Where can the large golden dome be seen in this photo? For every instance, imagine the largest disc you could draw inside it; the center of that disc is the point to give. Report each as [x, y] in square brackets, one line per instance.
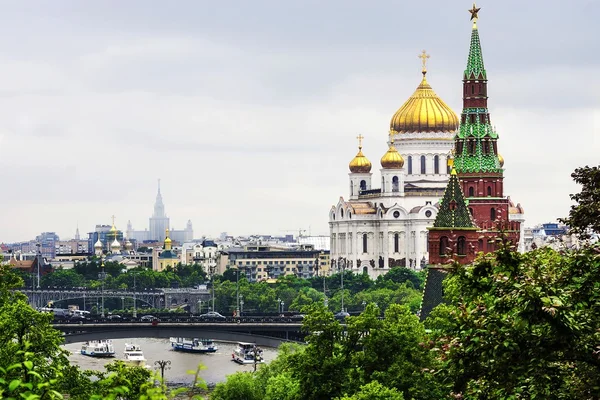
[360, 163]
[392, 159]
[424, 111]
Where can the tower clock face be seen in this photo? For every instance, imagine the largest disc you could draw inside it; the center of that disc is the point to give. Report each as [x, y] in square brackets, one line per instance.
[396, 214]
[428, 213]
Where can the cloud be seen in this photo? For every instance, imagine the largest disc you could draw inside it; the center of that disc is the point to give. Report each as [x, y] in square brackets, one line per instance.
[248, 112]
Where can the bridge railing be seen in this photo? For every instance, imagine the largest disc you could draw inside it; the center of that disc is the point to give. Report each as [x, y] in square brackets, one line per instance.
[181, 319]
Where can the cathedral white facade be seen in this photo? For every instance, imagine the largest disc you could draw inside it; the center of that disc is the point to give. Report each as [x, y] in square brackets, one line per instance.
[383, 226]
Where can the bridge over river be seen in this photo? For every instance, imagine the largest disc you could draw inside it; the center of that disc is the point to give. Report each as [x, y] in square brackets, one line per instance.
[156, 298]
[256, 330]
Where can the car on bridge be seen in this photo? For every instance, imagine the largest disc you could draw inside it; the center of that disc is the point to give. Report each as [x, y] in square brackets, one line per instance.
[148, 318]
[211, 316]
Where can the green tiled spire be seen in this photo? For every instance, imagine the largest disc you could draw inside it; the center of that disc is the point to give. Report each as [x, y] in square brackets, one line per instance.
[453, 207]
[476, 140]
[475, 68]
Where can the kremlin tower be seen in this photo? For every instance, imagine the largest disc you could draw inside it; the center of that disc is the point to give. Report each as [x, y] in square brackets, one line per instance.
[473, 212]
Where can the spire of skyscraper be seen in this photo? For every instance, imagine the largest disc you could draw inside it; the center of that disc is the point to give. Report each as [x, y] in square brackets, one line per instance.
[159, 207]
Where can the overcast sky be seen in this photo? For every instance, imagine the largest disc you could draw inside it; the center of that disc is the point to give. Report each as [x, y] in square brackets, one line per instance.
[248, 110]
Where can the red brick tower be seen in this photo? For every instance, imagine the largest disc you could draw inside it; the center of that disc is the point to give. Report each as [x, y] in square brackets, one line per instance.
[478, 166]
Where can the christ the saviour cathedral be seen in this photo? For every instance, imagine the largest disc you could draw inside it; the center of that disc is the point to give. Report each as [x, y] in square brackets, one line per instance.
[378, 228]
[384, 225]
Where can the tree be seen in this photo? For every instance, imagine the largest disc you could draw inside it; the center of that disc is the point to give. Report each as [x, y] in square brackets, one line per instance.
[375, 391]
[66, 278]
[401, 275]
[522, 326]
[584, 216]
[239, 386]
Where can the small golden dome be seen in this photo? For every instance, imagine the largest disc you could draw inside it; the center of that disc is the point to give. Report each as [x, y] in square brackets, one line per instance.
[424, 111]
[360, 163]
[392, 159]
[501, 159]
[167, 239]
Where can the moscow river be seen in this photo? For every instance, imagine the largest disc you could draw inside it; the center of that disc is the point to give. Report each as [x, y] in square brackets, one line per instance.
[218, 365]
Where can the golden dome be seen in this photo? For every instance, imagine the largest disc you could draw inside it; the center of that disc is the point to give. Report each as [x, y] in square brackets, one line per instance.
[424, 111]
[392, 159]
[360, 163]
[501, 159]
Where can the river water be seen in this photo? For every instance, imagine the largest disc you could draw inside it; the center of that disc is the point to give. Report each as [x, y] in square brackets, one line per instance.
[218, 365]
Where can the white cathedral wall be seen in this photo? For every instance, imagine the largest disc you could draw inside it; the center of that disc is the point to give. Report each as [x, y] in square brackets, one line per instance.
[347, 241]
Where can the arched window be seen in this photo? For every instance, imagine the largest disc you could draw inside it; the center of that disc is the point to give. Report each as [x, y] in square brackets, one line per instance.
[341, 213]
[363, 185]
[461, 245]
[489, 190]
[436, 164]
[365, 270]
[396, 243]
[365, 243]
[395, 184]
[423, 164]
[471, 210]
[409, 165]
[480, 244]
[443, 245]
[351, 188]
[471, 191]
[492, 214]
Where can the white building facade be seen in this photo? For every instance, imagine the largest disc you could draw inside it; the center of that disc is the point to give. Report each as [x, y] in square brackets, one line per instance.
[378, 228]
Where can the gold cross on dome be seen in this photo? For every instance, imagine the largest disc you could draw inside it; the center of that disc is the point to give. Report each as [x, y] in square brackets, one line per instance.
[424, 56]
[360, 138]
[113, 219]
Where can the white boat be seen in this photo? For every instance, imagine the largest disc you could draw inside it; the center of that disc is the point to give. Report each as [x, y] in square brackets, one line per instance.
[133, 355]
[246, 353]
[98, 348]
[194, 345]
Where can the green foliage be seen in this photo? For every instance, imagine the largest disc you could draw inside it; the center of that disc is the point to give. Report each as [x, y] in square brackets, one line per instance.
[239, 386]
[522, 326]
[375, 391]
[63, 278]
[584, 217]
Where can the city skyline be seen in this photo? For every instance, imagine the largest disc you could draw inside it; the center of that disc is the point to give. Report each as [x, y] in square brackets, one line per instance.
[249, 113]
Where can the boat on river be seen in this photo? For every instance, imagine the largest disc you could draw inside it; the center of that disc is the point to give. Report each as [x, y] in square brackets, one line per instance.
[194, 345]
[247, 353]
[98, 348]
[133, 355]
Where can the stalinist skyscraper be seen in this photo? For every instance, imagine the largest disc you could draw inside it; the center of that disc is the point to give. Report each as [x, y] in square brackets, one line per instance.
[159, 222]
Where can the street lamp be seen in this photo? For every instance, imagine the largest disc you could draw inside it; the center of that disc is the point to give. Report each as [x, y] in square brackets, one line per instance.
[282, 307]
[241, 307]
[278, 306]
[162, 364]
[134, 299]
[342, 266]
[102, 276]
[123, 303]
[364, 304]
[199, 307]
[237, 289]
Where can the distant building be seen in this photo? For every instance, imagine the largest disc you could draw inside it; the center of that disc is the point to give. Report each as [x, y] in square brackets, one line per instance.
[159, 222]
[267, 262]
[165, 257]
[47, 242]
[321, 242]
[106, 237]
